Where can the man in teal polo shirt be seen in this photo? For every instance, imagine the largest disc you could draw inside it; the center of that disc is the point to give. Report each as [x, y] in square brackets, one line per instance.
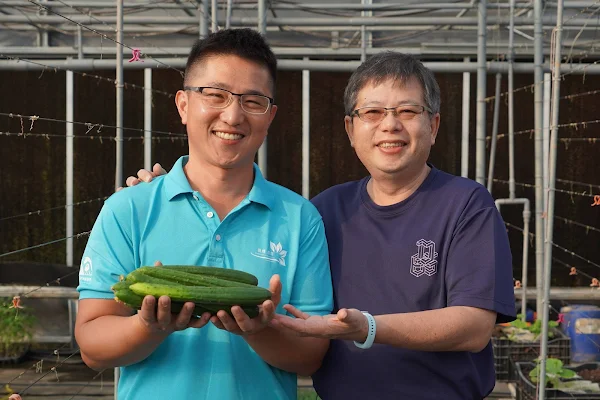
[213, 208]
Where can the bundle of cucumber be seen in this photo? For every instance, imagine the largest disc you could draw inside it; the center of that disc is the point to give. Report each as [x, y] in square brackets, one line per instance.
[210, 288]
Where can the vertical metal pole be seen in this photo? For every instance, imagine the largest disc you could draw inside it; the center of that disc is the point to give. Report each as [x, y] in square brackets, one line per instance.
[494, 142]
[365, 37]
[228, 15]
[262, 28]
[306, 133]
[43, 35]
[119, 87]
[203, 11]
[214, 15]
[539, 161]
[466, 109]
[551, 193]
[511, 103]
[119, 126]
[546, 133]
[69, 166]
[148, 119]
[79, 42]
[481, 91]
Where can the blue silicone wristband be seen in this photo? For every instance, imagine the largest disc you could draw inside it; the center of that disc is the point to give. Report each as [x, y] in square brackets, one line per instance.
[371, 335]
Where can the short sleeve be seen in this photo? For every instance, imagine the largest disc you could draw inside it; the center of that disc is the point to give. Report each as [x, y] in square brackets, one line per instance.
[107, 255]
[312, 288]
[479, 266]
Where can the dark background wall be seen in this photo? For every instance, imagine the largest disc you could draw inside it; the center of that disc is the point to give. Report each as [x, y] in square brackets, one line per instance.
[32, 169]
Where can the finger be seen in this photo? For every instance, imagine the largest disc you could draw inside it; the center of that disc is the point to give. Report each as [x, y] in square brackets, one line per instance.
[267, 311]
[242, 319]
[199, 322]
[228, 322]
[158, 170]
[132, 181]
[145, 175]
[295, 312]
[185, 315]
[275, 288]
[148, 311]
[163, 312]
[158, 264]
[119, 188]
[217, 322]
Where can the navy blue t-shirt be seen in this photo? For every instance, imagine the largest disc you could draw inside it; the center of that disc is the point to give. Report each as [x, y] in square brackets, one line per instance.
[446, 245]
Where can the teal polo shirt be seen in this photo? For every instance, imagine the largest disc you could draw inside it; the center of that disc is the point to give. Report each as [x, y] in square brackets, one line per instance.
[272, 231]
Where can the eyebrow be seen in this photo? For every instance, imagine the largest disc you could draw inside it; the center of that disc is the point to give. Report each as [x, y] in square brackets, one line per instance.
[223, 85]
[375, 103]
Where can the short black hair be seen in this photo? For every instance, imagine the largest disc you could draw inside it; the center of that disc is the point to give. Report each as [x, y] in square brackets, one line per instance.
[396, 66]
[244, 43]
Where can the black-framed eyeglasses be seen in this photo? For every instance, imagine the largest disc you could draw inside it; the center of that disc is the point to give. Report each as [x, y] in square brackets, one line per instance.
[222, 98]
[404, 112]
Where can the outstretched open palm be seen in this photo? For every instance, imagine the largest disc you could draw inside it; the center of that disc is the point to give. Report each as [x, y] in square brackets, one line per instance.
[348, 324]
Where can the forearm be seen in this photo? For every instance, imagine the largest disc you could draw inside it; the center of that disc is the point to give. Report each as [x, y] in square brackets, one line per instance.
[446, 329]
[301, 355]
[111, 341]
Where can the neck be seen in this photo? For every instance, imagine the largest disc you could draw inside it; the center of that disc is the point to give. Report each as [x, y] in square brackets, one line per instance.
[392, 190]
[222, 188]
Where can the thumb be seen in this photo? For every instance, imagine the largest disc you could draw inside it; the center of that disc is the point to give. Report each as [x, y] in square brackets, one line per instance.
[350, 316]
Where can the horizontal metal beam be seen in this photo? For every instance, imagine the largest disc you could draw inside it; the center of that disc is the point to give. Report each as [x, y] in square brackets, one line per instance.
[285, 65]
[305, 6]
[306, 21]
[425, 49]
[560, 293]
[53, 292]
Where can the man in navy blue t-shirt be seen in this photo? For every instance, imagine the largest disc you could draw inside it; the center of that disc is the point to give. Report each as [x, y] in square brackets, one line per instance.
[424, 252]
[420, 259]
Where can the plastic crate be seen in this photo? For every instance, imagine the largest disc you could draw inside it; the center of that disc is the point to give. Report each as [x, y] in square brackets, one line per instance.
[507, 353]
[528, 391]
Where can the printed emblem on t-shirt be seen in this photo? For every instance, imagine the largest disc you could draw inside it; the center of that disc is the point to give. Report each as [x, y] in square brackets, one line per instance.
[425, 261]
[85, 270]
[275, 254]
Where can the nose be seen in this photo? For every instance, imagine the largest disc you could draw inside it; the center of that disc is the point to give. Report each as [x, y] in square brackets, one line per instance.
[390, 122]
[233, 113]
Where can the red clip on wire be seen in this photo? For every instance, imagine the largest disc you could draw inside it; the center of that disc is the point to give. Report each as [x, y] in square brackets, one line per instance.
[16, 302]
[135, 55]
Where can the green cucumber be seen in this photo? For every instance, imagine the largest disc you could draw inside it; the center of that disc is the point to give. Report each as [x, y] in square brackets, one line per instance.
[133, 300]
[120, 285]
[222, 273]
[188, 279]
[140, 275]
[242, 296]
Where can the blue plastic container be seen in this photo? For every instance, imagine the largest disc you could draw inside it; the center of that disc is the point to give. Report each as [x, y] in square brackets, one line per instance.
[566, 311]
[583, 327]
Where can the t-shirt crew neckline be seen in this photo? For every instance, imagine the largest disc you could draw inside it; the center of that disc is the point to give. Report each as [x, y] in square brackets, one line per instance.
[398, 208]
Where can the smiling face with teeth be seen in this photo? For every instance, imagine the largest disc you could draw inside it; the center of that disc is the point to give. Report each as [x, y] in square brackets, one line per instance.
[229, 137]
[393, 149]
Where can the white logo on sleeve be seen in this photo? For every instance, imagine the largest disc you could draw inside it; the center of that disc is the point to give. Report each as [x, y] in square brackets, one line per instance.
[425, 261]
[275, 254]
[85, 270]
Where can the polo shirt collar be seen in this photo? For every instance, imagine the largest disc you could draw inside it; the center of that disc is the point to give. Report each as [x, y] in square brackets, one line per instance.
[177, 183]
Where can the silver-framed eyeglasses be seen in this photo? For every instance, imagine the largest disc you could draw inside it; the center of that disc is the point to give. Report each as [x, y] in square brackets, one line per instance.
[222, 98]
[404, 112]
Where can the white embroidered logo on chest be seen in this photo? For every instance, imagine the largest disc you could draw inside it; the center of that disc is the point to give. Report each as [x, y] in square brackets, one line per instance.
[425, 261]
[276, 254]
